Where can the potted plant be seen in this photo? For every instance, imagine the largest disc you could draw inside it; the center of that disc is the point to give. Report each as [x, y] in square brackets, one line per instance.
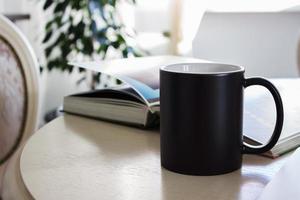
[85, 30]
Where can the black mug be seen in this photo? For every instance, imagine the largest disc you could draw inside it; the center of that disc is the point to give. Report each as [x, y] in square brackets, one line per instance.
[201, 117]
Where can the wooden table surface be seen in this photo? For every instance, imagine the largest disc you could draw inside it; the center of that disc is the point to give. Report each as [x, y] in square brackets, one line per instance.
[79, 158]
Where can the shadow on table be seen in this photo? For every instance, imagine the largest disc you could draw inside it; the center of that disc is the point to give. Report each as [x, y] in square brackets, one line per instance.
[114, 139]
[240, 184]
[246, 183]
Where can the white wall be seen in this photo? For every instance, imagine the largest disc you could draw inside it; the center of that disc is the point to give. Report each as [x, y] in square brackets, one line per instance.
[265, 44]
[194, 10]
[1, 5]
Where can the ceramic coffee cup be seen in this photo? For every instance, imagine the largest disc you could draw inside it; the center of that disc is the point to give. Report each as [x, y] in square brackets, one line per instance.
[201, 111]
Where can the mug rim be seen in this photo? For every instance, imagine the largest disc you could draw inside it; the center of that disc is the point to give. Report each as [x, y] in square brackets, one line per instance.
[238, 69]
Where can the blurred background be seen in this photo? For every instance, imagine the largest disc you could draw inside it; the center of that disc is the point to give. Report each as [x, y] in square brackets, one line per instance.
[82, 30]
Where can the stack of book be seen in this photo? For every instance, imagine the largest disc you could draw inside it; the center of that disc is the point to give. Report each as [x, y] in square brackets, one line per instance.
[136, 102]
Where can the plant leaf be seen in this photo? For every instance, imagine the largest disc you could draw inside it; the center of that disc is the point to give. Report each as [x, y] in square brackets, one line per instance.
[48, 25]
[65, 49]
[60, 7]
[53, 64]
[88, 47]
[47, 36]
[48, 51]
[75, 4]
[58, 19]
[47, 4]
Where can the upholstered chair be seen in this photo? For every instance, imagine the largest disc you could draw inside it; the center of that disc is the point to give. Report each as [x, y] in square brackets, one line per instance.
[18, 105]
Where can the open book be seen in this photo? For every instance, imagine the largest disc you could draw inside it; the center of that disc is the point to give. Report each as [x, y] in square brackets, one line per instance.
[137, 101]
[260, 115]
[119, 104]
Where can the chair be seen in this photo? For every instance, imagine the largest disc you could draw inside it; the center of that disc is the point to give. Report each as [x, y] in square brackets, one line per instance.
[266, 44]
[19, 102]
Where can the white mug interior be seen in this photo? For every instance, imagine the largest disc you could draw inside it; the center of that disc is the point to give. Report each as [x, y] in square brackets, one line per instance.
[202, 68]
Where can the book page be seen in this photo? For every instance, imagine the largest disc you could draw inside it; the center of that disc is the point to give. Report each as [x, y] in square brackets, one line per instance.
[260, 112]
[124, 92]
[141, 73]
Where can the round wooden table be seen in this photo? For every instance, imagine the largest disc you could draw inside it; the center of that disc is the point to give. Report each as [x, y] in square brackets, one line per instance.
[79, 158]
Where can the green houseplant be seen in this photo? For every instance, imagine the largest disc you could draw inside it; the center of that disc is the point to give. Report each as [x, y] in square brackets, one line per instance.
[85, 29]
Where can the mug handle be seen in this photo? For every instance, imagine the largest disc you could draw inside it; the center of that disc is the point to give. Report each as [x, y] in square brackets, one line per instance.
[251, 149]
